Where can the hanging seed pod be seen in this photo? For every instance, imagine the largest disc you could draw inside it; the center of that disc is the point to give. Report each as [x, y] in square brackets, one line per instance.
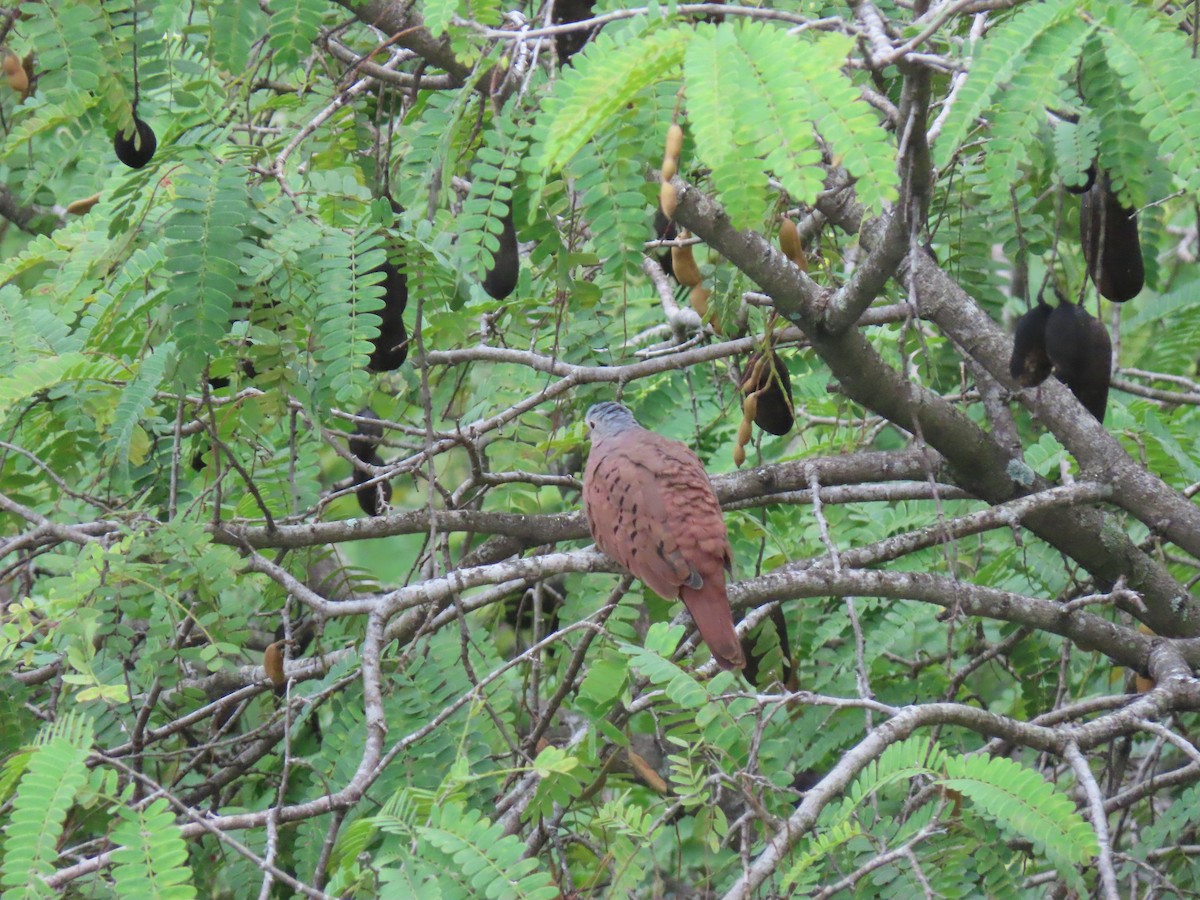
[683, 263]
[674, 143]
[1029, 364]
[668, 199]
[1079, 347]
[273, 665]
[391, 346]
[739, 455]
[79, 207]
[767, 381]
[136, 146]
[790, 243]
[1108, 232]
[501, 278]
[373, 499]
[698, 299]
[14, 70]
[670, 166]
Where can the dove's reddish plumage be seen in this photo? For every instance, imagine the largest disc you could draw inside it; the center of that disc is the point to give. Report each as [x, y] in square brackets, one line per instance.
[651, 507]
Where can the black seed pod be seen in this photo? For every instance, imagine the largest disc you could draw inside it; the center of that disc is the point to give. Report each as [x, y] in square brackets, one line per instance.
[1029, 364]
[501, 278]
[1078, 345]
[136, 148]
[391, 347]
[372, 498]
[1111, 248]
[773, 413]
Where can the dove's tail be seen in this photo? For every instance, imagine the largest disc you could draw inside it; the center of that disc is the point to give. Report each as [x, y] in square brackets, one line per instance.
[709, 606]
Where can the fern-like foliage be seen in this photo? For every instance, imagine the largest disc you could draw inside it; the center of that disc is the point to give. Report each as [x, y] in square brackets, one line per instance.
[293, 27]
[1005, 51]
[600, 80]
[235, 27]
[135, 399]
[151, 860]
[55, 773]
[490, 197]
[1023, 804]
[1161, 76]
[349, 291]
[205, 230]
[486, 862]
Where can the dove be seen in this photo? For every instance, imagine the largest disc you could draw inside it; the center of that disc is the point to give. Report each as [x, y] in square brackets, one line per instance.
[651, 507]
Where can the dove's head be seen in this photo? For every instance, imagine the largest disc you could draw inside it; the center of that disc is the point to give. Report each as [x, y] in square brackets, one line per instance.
[608, 418]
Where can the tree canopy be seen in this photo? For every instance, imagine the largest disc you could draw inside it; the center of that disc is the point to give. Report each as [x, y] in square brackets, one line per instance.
[297, 595]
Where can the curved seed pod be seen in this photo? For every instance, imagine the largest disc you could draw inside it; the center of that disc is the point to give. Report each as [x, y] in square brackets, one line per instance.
[1029, 364]
[665, 230]
[18, 79]
[790, 243]
[698, 299]
[136, 147]
[668, 199]
[273, 665]
[501, 278]
[739, 455]
[683, 263]
[366, 435]
[79, 207]
[772, 386]
[391, 346]
[372, 498]
[1108, 232]
[669, 167]
[1079, 347]
[744, 433]
[1089, 180]
[674, 144]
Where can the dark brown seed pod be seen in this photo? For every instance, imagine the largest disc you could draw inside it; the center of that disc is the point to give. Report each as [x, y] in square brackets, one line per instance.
[773, 386]
[501, 278]
[568, 43]
[665, 230]
[1078, 345]
[366, 435]
[1111, 248]
[1029, 364]
[135, 147]
[391, 347]
[372, 498]
[1090, 179]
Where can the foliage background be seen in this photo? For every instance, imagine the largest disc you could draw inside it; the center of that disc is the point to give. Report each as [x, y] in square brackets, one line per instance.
[948, 583]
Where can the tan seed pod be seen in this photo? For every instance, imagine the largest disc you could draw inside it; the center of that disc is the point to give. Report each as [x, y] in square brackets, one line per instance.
[699, 300]
[739, 455]
[273, 664]
[79, 207]
[750, 406]
[789, 240]
[18, 80]
[683, 263]
[669, 168]
[668, 199]
[744, 432]
[674, 142]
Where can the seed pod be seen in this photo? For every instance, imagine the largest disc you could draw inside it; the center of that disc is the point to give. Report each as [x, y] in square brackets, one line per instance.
[366, 435]
[501, 278]
[273, 665]
[372, 498]
[790, 244]
[739, 455]
[669, 167]
[18, 79]
[136, 146]
[684, 265]
[674, 145]
[79, 207]
[749, 407]
[1108, 232]
[390, 348]
[1029, 364]
[1079, 347]
[668, 199]
[698, 299]
[771, 386]
[665, 230]
[1089, 180]
[744, 433]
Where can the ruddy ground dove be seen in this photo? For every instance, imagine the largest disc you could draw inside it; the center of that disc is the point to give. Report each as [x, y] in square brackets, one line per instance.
[651, 507]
